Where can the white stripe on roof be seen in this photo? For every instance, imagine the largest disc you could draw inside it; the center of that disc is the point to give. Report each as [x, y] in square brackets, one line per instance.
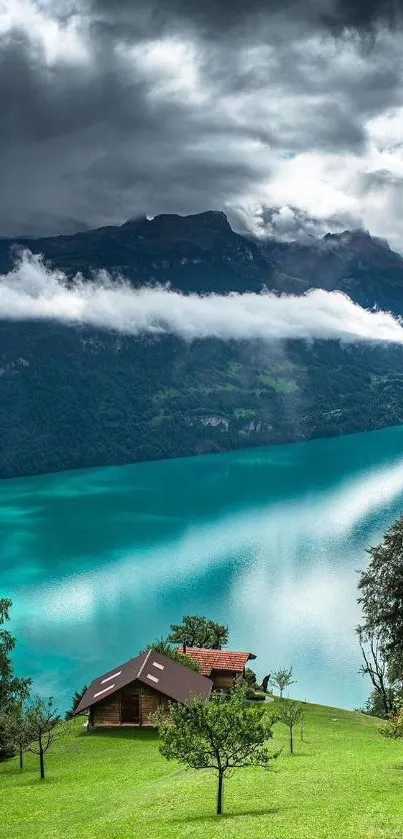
[103, 691]
[153, 678]
[108, 678]
[144, 664]
[160, 666]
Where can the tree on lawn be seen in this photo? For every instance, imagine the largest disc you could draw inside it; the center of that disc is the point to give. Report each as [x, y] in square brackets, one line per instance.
[290, 713]
[282, 679]
[381, 596]
[12, 688]
[42, 720]
[15, 729]
[198, 631]
[220, 733]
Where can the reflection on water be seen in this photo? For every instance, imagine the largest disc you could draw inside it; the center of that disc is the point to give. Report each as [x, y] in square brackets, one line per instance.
[100, 562]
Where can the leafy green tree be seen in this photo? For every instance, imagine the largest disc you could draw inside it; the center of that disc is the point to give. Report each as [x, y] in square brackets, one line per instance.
[164, 648]
[15, 729]
[198, 631]
[381, 595]
[282, 679]
[42, 720]
[77, 697]
[220, 733]
[12, 688]
[290, 713]
[10, 685]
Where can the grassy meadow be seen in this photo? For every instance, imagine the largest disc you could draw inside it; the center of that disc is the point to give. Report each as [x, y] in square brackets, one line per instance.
[344, 780]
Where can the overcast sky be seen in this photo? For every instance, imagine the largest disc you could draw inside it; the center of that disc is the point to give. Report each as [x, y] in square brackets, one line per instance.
[287, 115]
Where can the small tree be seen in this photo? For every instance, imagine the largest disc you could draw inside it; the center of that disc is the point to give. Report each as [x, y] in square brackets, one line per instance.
[198, 631]
[77, 697]
[15, 729]
[282, 679]
[164, 648]
[220, 733]
[290, 713]
[42, 720]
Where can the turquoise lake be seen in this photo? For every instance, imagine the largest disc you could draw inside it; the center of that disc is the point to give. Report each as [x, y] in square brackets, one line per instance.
[101, 561]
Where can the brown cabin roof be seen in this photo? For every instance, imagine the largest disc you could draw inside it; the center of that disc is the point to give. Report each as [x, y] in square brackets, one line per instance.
[209, 660]
[168, 677]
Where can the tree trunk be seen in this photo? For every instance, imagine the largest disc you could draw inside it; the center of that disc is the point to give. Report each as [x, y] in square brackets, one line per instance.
[291, 741]
[21, 757]
[220, 792]
[41, 760]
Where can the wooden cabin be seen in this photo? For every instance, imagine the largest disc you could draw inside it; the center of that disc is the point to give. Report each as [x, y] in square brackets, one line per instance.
[131, 692]
[223, 667]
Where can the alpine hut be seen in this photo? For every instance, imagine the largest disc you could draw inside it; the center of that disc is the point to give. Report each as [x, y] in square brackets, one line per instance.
[131, 692]
[223, 667]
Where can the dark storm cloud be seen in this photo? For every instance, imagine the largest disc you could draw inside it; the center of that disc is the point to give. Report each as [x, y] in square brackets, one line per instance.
[93, 139]
[223, 15]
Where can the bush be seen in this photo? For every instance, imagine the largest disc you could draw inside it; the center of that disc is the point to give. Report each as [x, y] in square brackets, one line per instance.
[252, 695]
[394, 726]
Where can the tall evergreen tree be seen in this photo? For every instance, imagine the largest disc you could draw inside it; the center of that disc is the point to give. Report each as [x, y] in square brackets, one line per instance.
[77, 697]
[381, 596]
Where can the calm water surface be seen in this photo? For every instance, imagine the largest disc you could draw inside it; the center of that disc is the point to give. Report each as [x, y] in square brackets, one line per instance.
[101, 561]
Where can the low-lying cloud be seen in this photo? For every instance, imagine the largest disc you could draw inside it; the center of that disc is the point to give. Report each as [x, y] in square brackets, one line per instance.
[33, 291]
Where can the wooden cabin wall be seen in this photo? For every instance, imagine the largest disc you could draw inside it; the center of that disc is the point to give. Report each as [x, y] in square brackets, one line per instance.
[223, 680]
[108, 711]
[151, 700]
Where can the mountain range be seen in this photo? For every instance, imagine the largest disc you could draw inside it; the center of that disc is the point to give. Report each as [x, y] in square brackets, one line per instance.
[74, 396]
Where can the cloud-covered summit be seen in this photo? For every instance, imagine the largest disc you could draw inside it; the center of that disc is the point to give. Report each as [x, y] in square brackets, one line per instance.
[110, 110]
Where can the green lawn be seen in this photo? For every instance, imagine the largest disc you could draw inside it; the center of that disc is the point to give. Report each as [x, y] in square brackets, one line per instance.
[344, 781]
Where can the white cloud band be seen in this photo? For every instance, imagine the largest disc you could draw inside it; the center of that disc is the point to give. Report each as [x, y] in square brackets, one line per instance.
[32, 291]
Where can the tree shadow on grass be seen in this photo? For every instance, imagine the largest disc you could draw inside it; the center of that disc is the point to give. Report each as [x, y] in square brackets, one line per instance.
[142, 735]
[238, 814]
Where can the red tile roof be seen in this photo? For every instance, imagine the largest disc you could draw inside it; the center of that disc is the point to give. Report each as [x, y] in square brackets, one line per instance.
[218, 660]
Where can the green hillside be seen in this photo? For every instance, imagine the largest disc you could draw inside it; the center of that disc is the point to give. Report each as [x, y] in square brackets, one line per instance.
[344, 781]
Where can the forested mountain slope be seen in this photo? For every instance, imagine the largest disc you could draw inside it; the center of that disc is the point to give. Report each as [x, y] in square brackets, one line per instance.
[74, 397]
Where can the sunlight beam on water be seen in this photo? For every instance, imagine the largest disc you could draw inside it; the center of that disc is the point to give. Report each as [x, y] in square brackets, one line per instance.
[279, 533]
[289, 583]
